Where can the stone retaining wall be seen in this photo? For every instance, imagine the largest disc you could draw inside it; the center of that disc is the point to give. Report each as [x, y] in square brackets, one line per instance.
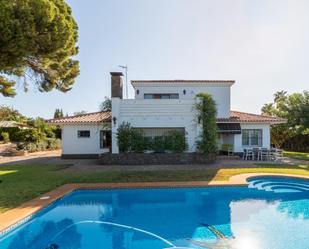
[155, 159]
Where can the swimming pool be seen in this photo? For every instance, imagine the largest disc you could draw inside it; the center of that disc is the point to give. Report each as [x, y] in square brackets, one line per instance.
[271, 213]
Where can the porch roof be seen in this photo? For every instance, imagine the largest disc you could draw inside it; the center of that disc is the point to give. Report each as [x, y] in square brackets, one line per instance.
[11, 124]
[243, 117]
[229, 128]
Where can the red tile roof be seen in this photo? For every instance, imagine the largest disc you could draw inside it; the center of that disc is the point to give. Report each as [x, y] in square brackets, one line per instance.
[236, 117]
[95, 117]
[243, 117]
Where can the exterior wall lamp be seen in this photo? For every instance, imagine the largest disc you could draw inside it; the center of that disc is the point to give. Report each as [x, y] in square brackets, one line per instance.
[184, 92]
[114, 120]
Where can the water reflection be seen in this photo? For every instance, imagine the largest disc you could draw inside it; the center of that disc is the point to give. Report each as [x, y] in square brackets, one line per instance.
[39, 239]
[246, 218]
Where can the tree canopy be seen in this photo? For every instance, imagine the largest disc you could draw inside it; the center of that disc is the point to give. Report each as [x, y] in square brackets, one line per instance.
[106, 105]
[38, 43]
[82, 112]
[293, 107]
[10, 114]
[58, 113]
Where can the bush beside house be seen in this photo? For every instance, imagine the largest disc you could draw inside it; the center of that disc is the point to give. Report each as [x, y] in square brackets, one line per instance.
[32, 135]
[131, 140]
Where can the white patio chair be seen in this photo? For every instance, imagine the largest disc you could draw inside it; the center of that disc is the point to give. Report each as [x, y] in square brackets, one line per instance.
[272, 154]
[248, 153]
[256, 153]
[264, 154]
[278, 155]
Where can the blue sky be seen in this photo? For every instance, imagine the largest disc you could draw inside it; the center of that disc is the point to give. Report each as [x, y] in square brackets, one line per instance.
[262, 44]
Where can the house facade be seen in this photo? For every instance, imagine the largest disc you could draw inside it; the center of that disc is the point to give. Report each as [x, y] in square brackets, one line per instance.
[158, 107]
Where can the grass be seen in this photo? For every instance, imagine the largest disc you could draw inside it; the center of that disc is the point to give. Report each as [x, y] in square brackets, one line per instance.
[297, 155]
[22, 183]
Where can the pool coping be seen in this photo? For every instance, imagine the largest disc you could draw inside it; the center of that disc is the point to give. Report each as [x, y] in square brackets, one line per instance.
[16, 216]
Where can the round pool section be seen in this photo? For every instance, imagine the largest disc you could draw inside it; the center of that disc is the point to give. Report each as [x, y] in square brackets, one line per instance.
[279, 184]
[270, 213]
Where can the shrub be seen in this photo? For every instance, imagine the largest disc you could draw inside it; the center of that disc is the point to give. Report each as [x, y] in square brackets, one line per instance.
[138, 143]
[124, 137]
[54, 144]
[176, 141]
[206, 115]
[5, 137]
[159, 144]
[132, 140]
[41, 145]
[30, 135]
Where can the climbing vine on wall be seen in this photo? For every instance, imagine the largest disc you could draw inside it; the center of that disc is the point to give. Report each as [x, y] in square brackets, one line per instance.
[206, 116]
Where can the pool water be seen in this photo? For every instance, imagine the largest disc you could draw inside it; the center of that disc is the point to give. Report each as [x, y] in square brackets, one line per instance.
[271, 213]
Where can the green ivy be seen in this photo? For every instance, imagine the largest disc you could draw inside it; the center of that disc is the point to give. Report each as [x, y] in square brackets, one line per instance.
[207, 115]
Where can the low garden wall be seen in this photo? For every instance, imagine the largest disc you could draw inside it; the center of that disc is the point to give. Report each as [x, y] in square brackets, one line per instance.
[155, 158]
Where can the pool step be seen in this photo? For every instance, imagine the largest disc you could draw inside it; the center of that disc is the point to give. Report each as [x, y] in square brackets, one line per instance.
[278, 186]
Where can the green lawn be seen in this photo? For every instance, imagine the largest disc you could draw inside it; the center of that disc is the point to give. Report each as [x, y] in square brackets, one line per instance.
[21, 183]
[297, 155]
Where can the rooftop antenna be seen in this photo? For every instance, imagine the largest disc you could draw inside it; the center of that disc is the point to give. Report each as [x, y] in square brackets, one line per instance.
[126, 72]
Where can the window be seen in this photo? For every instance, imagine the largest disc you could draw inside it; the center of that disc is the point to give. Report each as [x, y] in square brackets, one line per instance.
[105, 139]
[152, 133]
[252, 138]
[161, 96]
[148, 96]
[83, 133]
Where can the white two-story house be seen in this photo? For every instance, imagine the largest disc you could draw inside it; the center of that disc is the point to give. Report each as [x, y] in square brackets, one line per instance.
[158, 107]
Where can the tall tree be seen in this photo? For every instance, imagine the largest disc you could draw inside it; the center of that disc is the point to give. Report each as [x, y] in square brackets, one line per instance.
[293, 107]
[106, 105]
[58, 113]
[10, 114]
[37, 44]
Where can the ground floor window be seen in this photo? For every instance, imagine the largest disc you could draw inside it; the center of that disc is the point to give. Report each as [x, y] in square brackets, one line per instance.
[252, 137]
[83, 133]
[105, 139]
[152, 133]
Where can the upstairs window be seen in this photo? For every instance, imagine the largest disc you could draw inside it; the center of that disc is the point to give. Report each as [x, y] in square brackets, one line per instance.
[83, 133]
[161, 96]
[252, 137]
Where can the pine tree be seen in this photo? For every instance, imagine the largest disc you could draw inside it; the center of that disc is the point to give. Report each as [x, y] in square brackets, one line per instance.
[58, 113]
[37, 43]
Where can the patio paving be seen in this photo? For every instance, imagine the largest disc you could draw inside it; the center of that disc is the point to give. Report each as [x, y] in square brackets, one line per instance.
[54, 157]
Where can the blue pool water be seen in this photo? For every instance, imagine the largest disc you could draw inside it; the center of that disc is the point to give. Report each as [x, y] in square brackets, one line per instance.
[271, 213]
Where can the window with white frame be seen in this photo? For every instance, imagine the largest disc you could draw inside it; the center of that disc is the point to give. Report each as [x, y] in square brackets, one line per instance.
[252, 137]
[83, 133]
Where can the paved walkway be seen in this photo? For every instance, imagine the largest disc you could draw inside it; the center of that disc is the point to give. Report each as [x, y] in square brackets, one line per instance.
[53, 157]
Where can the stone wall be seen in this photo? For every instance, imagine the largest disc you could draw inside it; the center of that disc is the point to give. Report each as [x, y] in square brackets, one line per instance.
[80, 156]
[155, 159]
